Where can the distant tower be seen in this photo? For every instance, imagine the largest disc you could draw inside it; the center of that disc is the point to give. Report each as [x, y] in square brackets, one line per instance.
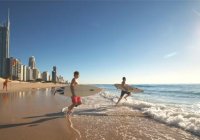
[4, 45]
[54, 75]
[54, 68]
[31, 63]
[45, 76]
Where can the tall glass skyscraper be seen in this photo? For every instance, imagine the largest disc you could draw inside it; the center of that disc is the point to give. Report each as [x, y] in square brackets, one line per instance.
[4, 46]
[54, 74]
[32, 62]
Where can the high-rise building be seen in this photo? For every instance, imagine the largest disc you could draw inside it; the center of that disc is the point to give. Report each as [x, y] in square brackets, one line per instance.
[45, 76]
[29, 73]
[9, 67]
[54, 68]
[15, 69]
[31, 62]
[54, 74]
[61, 79]
[36, 74]
[24, 73]
[4, 46]
[21, 72]
[49, 77]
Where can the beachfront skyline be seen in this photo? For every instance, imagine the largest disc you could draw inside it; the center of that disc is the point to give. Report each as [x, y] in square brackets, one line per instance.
[148, 42]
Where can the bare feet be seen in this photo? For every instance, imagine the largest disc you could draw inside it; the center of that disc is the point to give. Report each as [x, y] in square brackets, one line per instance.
[69, 112]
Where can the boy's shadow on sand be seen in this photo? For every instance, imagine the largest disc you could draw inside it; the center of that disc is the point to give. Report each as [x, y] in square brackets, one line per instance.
[44, 118]
[101, 111]
[93, 112]
[49, 117]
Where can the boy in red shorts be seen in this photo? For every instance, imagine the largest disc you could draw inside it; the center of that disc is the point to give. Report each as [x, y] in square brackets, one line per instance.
[76, 100]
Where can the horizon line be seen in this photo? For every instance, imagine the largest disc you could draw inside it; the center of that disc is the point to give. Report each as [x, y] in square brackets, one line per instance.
[146, 83]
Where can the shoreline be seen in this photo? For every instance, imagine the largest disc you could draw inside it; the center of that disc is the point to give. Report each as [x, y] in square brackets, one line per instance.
[92, 120]
[121, 123]
[111, 127]
[96, 118]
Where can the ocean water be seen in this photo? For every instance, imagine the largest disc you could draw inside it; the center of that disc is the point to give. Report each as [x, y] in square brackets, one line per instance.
[174, 105]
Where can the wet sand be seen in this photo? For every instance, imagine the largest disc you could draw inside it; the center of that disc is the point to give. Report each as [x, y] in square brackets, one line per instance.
[36, 114]
[33, 115]
[125, 125]
[99, 118]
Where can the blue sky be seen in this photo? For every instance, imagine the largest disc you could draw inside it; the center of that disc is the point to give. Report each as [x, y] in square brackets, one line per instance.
[146, 41]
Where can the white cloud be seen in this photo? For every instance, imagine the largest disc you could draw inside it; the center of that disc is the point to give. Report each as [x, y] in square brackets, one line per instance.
[172, 54]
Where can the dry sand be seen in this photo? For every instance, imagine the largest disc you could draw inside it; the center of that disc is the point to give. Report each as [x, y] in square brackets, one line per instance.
[14, 86]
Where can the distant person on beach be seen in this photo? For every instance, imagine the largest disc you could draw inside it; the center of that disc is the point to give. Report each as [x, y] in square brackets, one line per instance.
[124, 91]
[76, 100]
[5, 84]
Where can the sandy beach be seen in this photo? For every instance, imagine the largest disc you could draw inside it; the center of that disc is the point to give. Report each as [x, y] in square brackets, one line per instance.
[33, 115]
[124, 125]
[36, 114]
[101, 119]
[14, 86]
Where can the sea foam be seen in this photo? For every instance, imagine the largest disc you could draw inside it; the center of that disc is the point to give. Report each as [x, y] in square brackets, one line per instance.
[174, 115]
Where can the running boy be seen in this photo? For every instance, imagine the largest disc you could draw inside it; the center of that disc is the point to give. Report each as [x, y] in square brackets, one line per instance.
[76, 100]
[124, 91]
